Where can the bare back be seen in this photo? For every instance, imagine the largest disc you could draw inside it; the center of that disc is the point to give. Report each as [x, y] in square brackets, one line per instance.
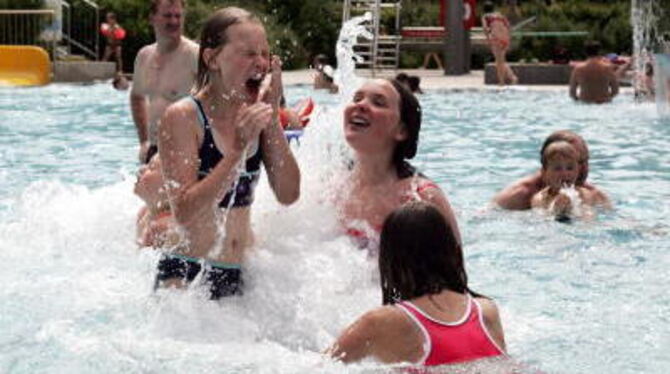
[596, 81]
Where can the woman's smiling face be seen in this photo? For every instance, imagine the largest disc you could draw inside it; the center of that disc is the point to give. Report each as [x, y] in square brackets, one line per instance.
[372, 119]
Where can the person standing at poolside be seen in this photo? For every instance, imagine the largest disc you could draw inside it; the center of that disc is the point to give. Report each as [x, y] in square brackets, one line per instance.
[211, 146]
[164, 72]
[518, 195]
[497, 31]
[114, 35]
[382, 125]
[430, 316]
[593, 81]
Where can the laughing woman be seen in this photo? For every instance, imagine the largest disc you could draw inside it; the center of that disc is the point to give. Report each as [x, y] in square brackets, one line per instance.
[212, 145]
[382, 125]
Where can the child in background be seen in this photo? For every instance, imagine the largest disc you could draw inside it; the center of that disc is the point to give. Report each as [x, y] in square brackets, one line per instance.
[114, 34]
[559, 170]
[430, 316]
[497, 30]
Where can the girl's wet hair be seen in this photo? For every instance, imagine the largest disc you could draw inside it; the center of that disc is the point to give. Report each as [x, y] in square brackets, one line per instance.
[419, 255]
[410, 117]
[559, 148]
[214, 36]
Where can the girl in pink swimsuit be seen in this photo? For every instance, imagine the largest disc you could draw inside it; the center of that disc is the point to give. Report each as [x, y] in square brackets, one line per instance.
[430, 316]
[497, 30]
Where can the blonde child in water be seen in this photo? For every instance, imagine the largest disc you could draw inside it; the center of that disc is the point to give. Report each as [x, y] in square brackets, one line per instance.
[561, 197]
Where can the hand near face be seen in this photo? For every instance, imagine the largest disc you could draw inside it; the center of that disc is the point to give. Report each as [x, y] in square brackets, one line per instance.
[250, 121]
[272, 87]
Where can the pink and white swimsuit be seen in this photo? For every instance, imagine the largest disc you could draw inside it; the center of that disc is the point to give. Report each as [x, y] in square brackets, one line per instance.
[447, 343]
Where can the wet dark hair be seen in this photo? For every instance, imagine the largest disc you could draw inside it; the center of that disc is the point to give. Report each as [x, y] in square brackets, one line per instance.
[153, 6]
[402, 77]
[488, 7]
[649, 69]
[320, 59]
[414, 83]
[592, 48]
[410, 117]
[572, 138]
[419, 255]
[214, 36]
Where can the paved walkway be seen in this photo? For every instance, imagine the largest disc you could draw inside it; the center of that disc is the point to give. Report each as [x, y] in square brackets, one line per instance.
[431, 79]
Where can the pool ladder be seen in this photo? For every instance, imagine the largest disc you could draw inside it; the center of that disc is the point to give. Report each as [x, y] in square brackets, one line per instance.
[383, 51]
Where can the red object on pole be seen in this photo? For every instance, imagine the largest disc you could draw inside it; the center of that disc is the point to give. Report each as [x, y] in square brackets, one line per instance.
[469, 16]
[443, 10]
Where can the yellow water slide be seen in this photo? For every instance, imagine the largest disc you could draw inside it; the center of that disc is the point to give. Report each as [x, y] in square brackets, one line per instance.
[23, 65]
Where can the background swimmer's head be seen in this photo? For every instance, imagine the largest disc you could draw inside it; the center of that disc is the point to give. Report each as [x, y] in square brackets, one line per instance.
[419, 254]
[488, 7]
[214, 36]
[559, 165]
[167, 18]
[110, 17]
[580, 146]
[410, 118]
[155, 4]
[592, 48]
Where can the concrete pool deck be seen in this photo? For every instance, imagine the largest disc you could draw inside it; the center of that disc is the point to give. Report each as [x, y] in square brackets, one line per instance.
[433, 80]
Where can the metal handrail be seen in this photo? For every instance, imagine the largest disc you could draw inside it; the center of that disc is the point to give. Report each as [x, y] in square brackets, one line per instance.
[26, 27]
[87, 39]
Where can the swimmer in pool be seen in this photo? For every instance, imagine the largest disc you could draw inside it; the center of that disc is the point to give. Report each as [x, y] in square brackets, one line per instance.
[164, 72]
[593, 81]
[381, 125]
[518, 195]
[560, 170]
[430, 316]
[211, 147]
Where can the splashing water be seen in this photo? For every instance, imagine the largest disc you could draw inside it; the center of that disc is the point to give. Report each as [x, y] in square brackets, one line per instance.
[345, 76]
[662, 83]
[649, 38]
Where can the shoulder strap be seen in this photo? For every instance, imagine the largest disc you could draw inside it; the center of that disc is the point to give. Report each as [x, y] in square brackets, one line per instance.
[200, 113]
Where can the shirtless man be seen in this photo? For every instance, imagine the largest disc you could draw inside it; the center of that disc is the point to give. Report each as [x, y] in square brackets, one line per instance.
[164, 72]
[518, 195]
[595, 78]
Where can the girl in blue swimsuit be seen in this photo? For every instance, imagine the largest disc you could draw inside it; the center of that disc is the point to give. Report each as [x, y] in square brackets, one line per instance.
[212, 145]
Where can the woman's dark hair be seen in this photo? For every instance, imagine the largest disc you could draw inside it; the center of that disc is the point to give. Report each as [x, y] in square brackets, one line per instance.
[419, 255]
[410, 117]
[488, 7]
[214, 36]
[649, 69]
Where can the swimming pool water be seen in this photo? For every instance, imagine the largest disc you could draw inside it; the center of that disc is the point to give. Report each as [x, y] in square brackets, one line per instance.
[77, 294]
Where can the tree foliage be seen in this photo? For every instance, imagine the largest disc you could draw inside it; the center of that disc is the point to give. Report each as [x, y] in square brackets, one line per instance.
[300, 29]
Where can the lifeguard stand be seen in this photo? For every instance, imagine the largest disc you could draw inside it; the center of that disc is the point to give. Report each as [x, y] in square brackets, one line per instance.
[383, 51]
